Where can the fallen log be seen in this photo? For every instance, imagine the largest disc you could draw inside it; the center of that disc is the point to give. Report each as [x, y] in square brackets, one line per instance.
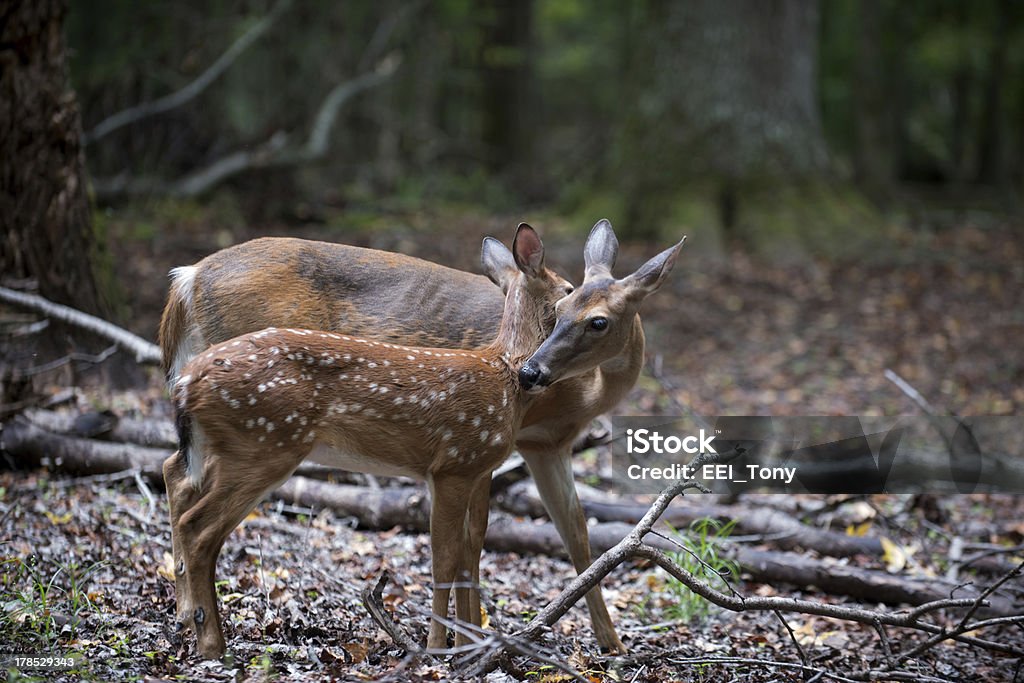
[34, 446]
[506, 534]
[34, 440]
[784, 530]
[381, 508]
[154, 432]
[384, 508]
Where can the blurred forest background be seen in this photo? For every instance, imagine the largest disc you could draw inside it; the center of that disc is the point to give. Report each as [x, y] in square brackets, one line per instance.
[849, 175]
[789, 131]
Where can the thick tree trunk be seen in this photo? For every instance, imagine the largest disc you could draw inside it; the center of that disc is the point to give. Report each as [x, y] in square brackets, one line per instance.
[44, 205]
[737, 84]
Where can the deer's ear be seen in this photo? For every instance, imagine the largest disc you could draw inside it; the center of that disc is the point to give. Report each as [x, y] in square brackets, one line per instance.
[650, 276]
[528, 250]
[498, 263]
[601, 249]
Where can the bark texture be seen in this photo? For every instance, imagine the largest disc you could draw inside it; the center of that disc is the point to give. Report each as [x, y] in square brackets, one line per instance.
[44, 205]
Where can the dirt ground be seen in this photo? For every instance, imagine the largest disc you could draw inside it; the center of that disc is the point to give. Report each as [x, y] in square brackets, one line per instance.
[86, 563]
[290, 586]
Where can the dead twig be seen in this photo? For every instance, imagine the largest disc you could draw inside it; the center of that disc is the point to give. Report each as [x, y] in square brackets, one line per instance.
[276, 150]
[912, 393]
[792, 636]
[193, 89]
[373, 601]
[633, 545]
[144, 352]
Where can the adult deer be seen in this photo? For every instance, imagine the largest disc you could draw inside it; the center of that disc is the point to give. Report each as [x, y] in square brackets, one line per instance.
[251, 410]
[384, 296]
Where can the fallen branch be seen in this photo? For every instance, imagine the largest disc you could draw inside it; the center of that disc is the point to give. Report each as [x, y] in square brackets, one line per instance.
[144, 351]
[634, 545]
[193, 89]
[70, 358]
[373, 601]
[783, 529]
[274, 152]
[33, 444]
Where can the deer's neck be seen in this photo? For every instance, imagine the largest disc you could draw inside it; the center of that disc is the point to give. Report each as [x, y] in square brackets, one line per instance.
[521, 330]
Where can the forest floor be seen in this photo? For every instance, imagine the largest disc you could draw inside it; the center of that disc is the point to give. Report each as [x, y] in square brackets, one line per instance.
[86, 561]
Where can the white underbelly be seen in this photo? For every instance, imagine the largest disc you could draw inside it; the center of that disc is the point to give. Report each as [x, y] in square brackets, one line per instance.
[341, 458]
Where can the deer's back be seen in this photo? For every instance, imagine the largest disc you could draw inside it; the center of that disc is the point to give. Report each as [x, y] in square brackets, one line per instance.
[286, 282]
[352, 402]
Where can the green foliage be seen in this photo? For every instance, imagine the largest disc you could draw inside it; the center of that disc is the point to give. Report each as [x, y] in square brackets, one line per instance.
[702, 559]
[39, 606]
[786, 220]
[614, 112]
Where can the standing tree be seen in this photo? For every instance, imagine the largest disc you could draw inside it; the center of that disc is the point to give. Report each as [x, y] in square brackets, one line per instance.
[506, 74]
[44, 205]
[730, 98]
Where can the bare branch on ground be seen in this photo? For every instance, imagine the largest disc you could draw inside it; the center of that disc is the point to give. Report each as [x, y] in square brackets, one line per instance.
[143, 351]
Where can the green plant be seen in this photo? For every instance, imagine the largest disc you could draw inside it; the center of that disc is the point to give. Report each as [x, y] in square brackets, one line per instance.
[27, 600]
[30, 597]
[701, 558]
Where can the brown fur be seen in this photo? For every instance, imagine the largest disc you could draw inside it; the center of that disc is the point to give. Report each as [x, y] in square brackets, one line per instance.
[256, 406]
[404, 300]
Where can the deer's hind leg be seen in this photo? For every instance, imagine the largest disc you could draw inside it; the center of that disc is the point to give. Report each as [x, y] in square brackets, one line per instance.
[231, 488]
[181, 495]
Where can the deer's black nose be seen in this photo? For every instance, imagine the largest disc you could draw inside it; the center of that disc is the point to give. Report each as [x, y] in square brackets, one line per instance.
[530, 374]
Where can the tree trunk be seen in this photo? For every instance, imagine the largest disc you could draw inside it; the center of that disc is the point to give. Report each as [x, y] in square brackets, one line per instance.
[44, 205]
[873, 153]
[506, 73]
[992, 167]
[738, 83]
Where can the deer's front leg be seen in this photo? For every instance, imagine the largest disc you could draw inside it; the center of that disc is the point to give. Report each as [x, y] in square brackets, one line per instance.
[449, 505]
[467, 598]
[552, 472]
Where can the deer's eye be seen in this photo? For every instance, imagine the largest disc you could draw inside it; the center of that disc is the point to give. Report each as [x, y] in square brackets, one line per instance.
[569, 289]
[599, 324]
